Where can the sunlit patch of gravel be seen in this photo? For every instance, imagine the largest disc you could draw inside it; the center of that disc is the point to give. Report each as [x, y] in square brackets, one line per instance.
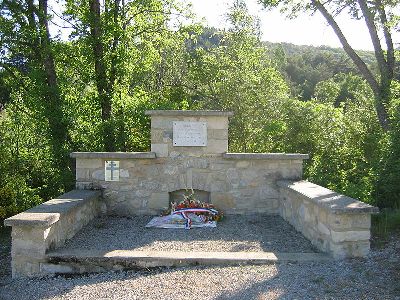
[234, 233]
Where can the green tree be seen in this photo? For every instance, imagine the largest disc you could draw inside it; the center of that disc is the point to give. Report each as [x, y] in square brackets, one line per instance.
[27, 57]
[342, 89]
[378, 15]
[122, 37]
[239, 76]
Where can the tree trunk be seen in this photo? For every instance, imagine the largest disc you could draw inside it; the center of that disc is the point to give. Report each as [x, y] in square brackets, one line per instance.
[105, 97]
[53, 104]
[381, 88]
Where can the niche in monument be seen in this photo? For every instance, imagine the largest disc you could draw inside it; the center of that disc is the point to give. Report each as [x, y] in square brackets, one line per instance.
[177, 196]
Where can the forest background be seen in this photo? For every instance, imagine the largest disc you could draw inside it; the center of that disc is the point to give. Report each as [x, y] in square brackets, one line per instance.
[90, 92]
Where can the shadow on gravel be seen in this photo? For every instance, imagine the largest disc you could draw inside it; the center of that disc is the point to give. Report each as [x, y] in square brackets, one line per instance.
[352, 279]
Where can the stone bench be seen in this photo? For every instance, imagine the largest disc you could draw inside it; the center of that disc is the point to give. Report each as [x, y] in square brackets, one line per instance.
[334, 223]
[48, 226]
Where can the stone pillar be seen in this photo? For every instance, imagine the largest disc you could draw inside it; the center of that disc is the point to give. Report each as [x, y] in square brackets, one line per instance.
[29, 245]
[162, 123]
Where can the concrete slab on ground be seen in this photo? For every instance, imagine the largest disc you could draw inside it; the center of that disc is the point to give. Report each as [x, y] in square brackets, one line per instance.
[80, 261]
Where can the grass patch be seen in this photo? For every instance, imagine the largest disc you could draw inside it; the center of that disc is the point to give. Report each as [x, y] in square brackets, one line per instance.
[5, 239]
[5, 255]
[384, 224]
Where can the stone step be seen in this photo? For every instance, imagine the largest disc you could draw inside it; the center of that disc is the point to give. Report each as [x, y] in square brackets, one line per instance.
[83, 261]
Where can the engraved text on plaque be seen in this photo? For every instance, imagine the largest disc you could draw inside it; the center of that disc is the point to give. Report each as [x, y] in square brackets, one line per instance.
[189, 133]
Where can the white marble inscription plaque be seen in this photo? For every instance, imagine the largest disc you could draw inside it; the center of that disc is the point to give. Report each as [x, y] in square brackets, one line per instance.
[111, 170]
[190, 134]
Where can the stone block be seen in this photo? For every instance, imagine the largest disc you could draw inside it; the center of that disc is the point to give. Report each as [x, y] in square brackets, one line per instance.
[29, 233]
[247, 192]
[50, 269]
[243, 164]
[222, 165]
[304, 213]
[161, 123]
[89, 163]
[171, 169]
[268, 192]
[167, 136]
[98, 175]
[82, 174]
[84, 185]
[349, 221]
[28, 248]
[223, 201]
[189, 178]
[288, 172]
[218, 186]
[126, 188]
[161, 150]
[323, 229]
[24, 268]
[217, 134]
[197, 163]
[349, 249]
[157, 136]
[346, 236]
[216, 146]
[142, 193]
[217, 123]
[112, 195]
[123, 173]
[158, 201]
[149, 185]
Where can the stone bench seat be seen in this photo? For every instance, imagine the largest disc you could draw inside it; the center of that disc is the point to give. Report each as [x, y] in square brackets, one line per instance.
[48, 226]
[333, 222]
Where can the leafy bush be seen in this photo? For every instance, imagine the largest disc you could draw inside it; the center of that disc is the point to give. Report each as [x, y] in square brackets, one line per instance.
[17, 196]
[388, 187]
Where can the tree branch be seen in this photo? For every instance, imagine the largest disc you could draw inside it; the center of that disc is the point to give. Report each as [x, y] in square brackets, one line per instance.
[369, 20]
[388, 38]
[360, 64]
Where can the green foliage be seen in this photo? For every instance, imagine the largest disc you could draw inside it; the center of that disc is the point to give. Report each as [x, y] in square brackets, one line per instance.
[388, 189]
[238, 75]
[17, 196]
[27, 172]
[306, 66]
[384, 223]
[153, 65]
[344, 88]
[343, 143]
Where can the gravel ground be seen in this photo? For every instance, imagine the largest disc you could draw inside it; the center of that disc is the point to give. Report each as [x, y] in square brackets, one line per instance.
[243, 233]
[375, 277]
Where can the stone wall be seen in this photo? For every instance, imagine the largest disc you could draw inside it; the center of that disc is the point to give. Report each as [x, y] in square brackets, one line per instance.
[46, 227]
[238, 183]
[334, 223]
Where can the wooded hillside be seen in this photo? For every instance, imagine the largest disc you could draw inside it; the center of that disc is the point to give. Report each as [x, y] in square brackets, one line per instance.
[89, 93]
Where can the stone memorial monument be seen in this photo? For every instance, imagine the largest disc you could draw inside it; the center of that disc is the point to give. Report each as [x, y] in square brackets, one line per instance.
[189, 149]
